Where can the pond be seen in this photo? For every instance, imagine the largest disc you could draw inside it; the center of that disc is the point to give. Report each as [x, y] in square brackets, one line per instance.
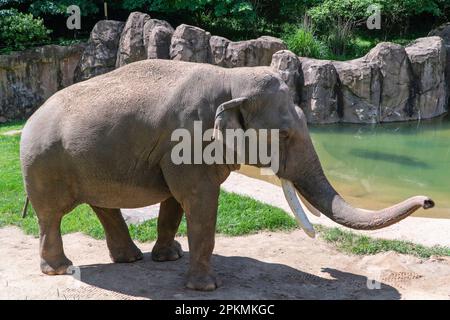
[374, 166]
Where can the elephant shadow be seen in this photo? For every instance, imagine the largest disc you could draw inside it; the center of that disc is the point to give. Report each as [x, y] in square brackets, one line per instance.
[242, 278]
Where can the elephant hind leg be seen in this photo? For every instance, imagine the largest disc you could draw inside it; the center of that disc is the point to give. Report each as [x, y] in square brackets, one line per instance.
[51, 194]
[53, 259]
[121, 246]
[166, 247]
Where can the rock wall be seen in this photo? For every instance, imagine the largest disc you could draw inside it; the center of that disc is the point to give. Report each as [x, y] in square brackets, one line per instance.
[29, 77]
[146, 38]
[249, 53]
[319, 95]
[390, 83]
[190, 43]
[131, 43]
[100, 54]
[444, 32]
[288, 65]
[157, 37]
[427, 57]
[394, 83]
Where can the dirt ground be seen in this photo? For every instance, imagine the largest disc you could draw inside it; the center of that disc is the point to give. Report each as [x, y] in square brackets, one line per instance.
[261, 266]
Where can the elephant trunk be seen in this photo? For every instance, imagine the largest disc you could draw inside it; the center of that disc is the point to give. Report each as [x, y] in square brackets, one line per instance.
[315, 187]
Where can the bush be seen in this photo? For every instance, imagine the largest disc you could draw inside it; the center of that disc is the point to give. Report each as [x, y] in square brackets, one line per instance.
[20, 30]
[394, 13]
[303, 43]
[339, 38]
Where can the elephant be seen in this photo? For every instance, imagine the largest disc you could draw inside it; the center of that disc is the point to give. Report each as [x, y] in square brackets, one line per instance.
[106, 142]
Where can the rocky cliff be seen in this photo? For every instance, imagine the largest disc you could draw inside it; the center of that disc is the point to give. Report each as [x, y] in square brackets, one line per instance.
[29, 77]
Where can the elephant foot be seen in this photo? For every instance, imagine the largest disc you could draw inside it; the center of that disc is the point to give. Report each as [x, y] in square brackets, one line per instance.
[55, 266]
[203, 282]
[167, 253]
[126, 255]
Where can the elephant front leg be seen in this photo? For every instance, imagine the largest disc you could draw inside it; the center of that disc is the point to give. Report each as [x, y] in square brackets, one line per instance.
[166, 247]
[198, 193]
[201, 215]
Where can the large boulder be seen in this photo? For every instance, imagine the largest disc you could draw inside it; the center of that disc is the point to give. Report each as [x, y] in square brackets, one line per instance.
[249, 53]
[392, 83]
[319, 99]
[359, 94]
[157, 37]
[190, 43]
[131, 45]
[288, 66]
[396, 81]
[444, 32]
[219, 47]
[428, 60]
[252, 53]
[101, 51]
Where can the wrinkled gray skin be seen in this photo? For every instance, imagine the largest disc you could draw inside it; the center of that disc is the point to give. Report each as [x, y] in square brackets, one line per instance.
[106, 142]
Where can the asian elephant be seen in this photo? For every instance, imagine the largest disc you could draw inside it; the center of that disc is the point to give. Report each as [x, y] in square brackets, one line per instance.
[107, 142]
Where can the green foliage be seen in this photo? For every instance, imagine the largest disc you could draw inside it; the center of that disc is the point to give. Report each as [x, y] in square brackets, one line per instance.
[329, 11]
[339, 38]
[393, 12]
[18, 30]
[291, 10]
[58, 7]
[218, 7]
[303, 43]
[244, 19]
[237, 18]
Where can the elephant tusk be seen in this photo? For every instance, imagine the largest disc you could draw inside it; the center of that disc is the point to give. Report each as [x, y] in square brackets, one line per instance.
[296, 207]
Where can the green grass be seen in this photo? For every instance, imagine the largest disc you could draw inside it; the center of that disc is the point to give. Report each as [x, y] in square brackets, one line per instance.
[350, 242]
[238, 215]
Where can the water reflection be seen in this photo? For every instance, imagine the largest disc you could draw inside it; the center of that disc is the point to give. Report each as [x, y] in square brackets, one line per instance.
[378, 165]
[388, 157]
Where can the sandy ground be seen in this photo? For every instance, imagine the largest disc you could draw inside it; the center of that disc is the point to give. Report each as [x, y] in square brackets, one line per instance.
[265, 265]
[261, 266]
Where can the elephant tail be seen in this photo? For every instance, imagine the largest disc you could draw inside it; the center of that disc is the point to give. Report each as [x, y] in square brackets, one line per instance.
[25, 207]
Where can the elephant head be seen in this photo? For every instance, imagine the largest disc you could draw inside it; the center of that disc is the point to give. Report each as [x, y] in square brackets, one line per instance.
[264, 102]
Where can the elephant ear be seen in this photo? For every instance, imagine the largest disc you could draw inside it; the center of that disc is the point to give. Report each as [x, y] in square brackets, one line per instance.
[227, 117]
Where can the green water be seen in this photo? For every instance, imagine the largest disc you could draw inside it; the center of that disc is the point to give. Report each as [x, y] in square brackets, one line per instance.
[378, 165]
